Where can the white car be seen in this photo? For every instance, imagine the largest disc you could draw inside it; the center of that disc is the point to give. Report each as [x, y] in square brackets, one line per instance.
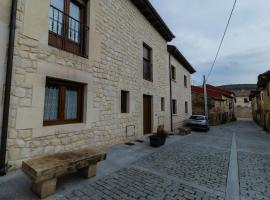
[198, 122]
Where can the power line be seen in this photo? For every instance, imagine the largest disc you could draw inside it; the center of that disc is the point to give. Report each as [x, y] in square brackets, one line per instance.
[224, 34]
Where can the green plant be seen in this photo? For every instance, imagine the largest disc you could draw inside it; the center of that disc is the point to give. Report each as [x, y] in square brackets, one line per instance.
[161, 132]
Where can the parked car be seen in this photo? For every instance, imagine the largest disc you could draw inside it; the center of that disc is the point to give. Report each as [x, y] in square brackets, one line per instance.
[198, 122]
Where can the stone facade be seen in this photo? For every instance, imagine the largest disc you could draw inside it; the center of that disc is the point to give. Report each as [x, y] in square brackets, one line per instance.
[117, 31]
[260, 101]
[181, 93]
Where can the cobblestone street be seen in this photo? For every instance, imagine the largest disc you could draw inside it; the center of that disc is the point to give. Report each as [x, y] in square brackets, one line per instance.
[197, 166]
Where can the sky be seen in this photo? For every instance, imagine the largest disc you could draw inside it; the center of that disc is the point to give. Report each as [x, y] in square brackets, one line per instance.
[199, 25]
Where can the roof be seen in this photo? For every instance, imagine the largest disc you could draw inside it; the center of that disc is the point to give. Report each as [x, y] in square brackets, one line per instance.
[149, 12]
[224, 92]
[180, 58]
[263, 79]
[212, 91]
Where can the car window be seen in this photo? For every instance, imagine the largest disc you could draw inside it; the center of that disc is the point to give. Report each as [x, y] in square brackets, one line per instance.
[197, 117]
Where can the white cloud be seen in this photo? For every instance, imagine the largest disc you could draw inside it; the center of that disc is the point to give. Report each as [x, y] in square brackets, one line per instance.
[198, 26]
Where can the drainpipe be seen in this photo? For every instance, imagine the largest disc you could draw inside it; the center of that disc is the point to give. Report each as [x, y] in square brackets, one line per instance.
[170, 72]
[10, 54]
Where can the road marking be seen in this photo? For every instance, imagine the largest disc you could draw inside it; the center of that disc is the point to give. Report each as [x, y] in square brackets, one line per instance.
[232, 189]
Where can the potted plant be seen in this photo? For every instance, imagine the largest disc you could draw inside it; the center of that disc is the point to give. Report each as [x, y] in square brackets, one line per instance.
[159, 138]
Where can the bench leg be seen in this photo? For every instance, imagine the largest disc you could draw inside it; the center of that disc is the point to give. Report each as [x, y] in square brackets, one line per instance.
[44, 189]
[89, 171]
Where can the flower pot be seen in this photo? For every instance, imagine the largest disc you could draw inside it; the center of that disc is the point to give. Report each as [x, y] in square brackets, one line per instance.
[157, 141]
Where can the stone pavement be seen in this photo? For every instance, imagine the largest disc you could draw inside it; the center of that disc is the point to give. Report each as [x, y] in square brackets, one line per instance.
[190, 167]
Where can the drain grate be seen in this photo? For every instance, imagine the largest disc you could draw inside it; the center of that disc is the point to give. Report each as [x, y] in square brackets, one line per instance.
[129, 144]
[140, 141]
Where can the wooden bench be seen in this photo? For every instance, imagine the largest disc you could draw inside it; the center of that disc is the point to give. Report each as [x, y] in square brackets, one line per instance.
[45, 170]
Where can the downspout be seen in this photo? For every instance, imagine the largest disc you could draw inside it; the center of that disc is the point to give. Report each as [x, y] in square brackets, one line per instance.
[10, 54]
[170, 72]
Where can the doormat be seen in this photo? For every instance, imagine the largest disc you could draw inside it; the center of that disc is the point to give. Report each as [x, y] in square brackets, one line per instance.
[129, 144]
[140, 141]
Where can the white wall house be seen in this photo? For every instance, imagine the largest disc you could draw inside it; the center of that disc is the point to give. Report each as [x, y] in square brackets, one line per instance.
[96, 80]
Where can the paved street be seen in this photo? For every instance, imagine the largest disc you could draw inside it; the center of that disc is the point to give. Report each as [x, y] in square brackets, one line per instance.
[229, 162]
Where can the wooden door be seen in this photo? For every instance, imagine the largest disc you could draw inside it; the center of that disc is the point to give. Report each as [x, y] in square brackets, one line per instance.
[147, 114]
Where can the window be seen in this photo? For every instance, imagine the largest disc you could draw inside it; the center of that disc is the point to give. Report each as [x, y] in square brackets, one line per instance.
[147, 63]
[63, 102]
[124, 101]
[185, 80]
[162, 104]
[174, 106]
[186, 107]
[67, 26]
[173, 73]
[246, 100]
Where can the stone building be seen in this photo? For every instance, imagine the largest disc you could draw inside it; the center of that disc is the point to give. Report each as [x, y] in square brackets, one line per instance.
[181, 72]
[242, 104]
[220, 104]
[261, 101]
[88, 73]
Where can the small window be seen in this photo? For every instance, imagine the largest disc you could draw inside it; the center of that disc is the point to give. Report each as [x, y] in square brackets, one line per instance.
[186, 107]
[147, 63]
[174, 106]
[162, 104]
[173, 73]
[246, 100]
[67, 26]
[124, 101]
[185, 80]
[63, 102]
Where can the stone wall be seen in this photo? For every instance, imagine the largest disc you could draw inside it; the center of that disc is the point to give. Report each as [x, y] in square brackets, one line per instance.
[181, 93]
[5, 6]
[116, 36]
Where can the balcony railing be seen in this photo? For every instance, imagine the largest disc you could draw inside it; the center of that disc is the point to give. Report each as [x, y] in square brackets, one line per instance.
[67, 33]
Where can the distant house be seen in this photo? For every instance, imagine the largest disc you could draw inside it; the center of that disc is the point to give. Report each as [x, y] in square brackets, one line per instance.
[220, 104]
[260, 101]
[242, 104]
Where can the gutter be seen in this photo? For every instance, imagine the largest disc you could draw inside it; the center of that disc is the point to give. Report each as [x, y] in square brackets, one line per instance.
[10, 54]
[170, 78]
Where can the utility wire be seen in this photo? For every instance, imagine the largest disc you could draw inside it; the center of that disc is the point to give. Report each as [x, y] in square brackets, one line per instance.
[224, 34]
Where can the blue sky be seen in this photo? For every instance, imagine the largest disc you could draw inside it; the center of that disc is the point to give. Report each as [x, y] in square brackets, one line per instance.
[199, 25]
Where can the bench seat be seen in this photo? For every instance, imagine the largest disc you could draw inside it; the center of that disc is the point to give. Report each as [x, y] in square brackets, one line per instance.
[45, 170]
